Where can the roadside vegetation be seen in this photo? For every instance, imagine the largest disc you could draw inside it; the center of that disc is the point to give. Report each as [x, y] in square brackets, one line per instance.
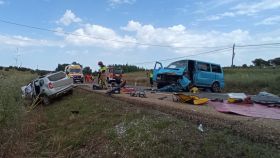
[91, 125]
[252, 80]
[12, 108]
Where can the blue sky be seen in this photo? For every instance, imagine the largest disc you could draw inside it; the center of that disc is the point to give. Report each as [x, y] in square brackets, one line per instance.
[186, 27]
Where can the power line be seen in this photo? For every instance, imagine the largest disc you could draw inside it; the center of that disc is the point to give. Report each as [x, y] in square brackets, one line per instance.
[257, 45]
[98, 38]
[202, 53]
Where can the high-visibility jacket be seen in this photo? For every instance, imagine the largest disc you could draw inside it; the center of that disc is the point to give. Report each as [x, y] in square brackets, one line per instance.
[103, 69]
[151, 75]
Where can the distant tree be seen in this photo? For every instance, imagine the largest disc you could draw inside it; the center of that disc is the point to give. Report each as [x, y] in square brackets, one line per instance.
[275, 61]
[128, 68]
[61, 67]
[87, 70]
[260, 62]
[244, 66]
[76, 63]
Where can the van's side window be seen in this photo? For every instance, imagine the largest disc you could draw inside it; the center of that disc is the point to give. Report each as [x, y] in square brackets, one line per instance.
[216, 68]
[203, 66]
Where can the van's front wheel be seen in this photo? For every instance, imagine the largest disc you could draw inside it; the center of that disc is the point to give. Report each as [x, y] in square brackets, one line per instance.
[216, 87]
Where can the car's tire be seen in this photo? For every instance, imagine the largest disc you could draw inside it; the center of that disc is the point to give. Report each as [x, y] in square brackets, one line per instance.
[82, 81]
[216, 87]
[46, 100]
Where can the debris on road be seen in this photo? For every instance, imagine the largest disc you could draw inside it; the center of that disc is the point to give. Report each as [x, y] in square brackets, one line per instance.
[179, 97]
[252, 110]
[139, 93]
[171, 88]
[266, 98]
[162, 98]
[200, 128]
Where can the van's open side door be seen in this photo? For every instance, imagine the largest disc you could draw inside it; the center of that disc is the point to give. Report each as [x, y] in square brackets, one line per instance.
[157, 67]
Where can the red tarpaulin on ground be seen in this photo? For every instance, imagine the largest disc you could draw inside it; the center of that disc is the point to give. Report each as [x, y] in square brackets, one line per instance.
[252, 110]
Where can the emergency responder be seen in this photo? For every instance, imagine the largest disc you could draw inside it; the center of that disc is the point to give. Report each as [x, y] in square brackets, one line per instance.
[102, 75]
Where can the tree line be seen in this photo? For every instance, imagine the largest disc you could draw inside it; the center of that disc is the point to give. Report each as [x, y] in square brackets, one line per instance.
[126, 68]
[270, 62]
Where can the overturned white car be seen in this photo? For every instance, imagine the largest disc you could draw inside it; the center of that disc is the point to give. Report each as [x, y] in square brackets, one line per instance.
[48, 87]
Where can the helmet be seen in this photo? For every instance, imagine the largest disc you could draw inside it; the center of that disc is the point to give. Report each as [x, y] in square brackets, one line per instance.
[100, 63]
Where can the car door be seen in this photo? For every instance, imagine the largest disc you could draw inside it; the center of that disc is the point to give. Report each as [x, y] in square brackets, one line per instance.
[157, 67]
[203, 74]
[219, 76]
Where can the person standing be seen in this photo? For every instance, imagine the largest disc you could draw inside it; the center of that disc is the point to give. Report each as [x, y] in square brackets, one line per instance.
[102, 75]
[151, 76]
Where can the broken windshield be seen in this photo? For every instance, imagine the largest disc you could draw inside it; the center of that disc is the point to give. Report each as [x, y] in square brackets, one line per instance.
[178, 64]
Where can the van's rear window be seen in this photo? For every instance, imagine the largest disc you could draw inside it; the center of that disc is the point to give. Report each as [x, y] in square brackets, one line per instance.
[216, 68]
[57, 76]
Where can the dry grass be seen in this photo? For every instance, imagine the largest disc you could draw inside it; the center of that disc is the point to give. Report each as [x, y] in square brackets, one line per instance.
[105, 127]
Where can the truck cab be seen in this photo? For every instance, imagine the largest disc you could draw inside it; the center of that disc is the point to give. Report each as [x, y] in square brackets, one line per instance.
[75, 72]
[114, 75]
[189, 73]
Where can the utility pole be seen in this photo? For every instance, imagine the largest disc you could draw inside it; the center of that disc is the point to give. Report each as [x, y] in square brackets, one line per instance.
[16, 58]
[233, 54]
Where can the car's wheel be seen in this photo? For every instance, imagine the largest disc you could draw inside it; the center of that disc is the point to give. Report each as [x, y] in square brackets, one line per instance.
[216, 87]
[46, 100]
[82, 81]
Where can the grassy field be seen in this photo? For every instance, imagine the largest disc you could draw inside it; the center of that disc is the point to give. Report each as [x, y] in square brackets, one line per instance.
[105, 127]
[12, 109]
[248, 80]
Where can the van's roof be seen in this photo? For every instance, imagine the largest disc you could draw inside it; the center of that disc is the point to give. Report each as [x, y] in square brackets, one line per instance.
[198, 61]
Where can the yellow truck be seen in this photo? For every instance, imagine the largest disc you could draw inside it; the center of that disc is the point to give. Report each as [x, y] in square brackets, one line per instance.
[75, 72]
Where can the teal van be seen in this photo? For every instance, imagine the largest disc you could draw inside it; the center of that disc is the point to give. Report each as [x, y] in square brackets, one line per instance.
[190, 73]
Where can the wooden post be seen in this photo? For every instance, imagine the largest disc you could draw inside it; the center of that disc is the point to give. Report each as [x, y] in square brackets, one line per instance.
[233, 54]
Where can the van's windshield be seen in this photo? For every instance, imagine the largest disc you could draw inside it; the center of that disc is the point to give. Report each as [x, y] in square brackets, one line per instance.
[178, 64]
[75, 70]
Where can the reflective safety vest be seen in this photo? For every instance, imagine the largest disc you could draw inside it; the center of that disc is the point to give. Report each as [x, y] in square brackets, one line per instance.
[151, 75]
[103, 69]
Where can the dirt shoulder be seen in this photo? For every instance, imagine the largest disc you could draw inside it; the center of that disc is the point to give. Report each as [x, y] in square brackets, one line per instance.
[256, 129]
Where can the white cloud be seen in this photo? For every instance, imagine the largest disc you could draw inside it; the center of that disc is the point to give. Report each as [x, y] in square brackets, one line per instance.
[178, 36]
[247, 9]
[114, 3]
[21, 41]
[252, 8]
[270, 21]
[96, 35]
[68, 18]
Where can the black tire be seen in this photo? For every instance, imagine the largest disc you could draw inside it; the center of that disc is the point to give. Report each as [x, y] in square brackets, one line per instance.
[82, 81]
[46, 100]
[216, 87]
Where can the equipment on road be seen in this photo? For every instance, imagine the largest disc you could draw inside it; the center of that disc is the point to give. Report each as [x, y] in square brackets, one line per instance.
[179, 97]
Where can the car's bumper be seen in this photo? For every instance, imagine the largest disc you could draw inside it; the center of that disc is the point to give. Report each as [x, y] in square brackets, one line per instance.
[62, 92]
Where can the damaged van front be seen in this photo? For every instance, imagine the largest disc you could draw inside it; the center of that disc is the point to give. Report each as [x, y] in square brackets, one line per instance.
[172, 74]
[189, 73]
